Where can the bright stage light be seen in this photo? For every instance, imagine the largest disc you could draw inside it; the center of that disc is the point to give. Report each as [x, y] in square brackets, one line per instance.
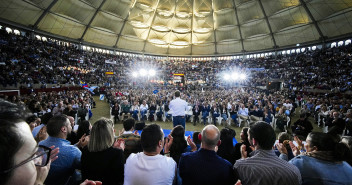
[243, 76]
[234, 76]
[152, 72]
[143, 72]
[135, 74]
[227, 77]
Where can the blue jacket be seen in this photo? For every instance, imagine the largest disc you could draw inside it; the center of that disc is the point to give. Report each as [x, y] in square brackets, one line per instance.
[317, 172]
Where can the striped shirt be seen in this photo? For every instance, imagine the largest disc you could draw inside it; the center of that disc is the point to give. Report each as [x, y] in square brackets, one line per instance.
[265, 168]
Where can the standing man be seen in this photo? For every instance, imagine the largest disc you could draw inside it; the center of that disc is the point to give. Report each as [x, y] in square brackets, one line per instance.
[178, 108]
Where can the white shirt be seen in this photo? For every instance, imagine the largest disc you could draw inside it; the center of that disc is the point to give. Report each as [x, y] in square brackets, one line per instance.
[141, 169]
[144, 107]
[134, 107]
[178, 107]
[288, 106]
[243, 112]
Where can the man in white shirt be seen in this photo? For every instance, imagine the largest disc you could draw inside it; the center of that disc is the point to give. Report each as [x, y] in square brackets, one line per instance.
[288, 105]
[149, 167]
[178, 108]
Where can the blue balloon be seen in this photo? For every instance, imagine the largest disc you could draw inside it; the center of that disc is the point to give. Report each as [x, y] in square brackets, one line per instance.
[155, 91]
[287, 112]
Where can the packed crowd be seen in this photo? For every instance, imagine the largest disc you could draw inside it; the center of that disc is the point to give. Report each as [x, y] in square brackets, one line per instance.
[29, 61]
[153, 158]
[46, 137]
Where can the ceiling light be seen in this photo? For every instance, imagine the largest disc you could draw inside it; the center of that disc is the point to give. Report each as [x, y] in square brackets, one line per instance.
[180, 43]
[161, 28]
[139, 24]
[181, 30]
[183, 14]
[157, 41]
[201, 30]
[202, 14]
[165, 13]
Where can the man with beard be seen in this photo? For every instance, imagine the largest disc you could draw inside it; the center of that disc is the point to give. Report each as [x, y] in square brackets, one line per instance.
[62, 170]
[263, 166]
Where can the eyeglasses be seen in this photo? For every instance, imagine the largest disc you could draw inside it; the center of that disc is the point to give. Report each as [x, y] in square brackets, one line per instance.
[41, 158]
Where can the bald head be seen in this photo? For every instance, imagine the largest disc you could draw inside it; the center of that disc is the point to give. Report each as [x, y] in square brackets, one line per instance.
[210, 136]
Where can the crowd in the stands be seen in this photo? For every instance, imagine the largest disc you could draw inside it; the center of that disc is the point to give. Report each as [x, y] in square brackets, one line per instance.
[26, 61]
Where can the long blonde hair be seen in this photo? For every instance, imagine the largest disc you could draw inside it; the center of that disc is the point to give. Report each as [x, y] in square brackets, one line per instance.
[102, 135]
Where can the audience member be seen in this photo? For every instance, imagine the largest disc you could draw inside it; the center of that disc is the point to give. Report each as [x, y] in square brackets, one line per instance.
[22, 160]
[100, 159]
[196, 139]
[284, 141]
[149, 167]
[205, 166]
[179, 144]
[44, 120]
[131, 138]
[84, 128]
[302, 126]
[323, 161]
[226, 150]
[244, 141]
[263, 166]
[62, 171]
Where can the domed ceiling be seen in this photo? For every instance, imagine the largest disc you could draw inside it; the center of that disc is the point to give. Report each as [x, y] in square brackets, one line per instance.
[185, 27]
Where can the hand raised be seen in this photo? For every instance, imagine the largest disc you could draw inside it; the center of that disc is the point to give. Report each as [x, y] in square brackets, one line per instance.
[119, 143]
[282, 149]
[168, 143]
[294, 149]
[191, 144]
[243, 152]
[136, 133]
[83, 141]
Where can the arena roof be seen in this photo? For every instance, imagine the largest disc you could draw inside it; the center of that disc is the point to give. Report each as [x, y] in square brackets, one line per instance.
[185, 27]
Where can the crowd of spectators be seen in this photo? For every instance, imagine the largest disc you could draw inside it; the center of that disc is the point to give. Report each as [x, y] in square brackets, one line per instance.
[153, 158]
[161, 159]
[27, 61]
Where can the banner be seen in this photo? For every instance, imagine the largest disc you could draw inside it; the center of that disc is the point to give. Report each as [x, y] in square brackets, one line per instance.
[110, 62]
[101, 97]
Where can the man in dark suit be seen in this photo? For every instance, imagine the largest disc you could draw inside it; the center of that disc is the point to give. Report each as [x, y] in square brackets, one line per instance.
[205, 166]
[196, 111]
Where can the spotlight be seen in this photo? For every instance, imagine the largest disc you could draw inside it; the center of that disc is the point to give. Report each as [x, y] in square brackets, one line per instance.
[234, 76]
[227, 77]
[152, 72]
[135, 74]
[143, 72]
[243, 76]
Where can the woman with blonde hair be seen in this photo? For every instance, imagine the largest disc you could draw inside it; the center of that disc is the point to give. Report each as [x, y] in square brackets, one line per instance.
[103, 159]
